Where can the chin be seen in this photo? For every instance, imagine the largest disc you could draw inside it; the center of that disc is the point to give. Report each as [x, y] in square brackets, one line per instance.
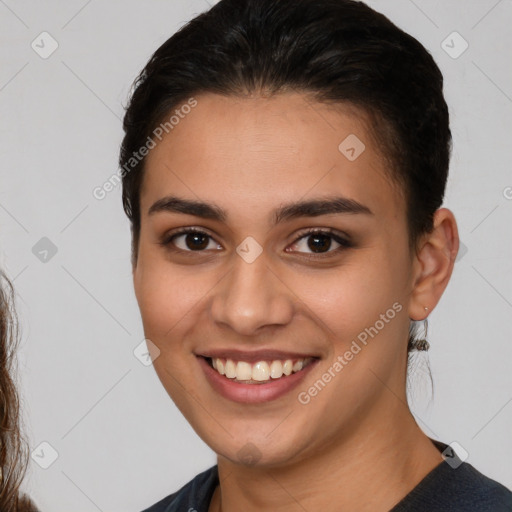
[256, 450]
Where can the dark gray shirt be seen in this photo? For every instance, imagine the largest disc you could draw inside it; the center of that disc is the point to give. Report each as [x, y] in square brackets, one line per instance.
[452, 486]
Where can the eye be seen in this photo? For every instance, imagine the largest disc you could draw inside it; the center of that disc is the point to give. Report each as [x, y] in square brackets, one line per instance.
[194, 240]
[319, 241]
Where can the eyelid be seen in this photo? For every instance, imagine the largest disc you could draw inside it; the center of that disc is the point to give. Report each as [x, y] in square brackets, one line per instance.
[328, 231]
[185, 230]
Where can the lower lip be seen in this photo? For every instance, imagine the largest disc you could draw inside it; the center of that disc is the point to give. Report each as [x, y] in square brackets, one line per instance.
[253, 393]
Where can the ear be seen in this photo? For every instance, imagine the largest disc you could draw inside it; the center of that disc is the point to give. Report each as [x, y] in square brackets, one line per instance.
[433, 264]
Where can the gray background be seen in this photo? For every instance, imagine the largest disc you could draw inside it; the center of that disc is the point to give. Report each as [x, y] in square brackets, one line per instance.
[121, 442]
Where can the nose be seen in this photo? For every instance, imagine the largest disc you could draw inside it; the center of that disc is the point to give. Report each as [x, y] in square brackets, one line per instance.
[251, 297]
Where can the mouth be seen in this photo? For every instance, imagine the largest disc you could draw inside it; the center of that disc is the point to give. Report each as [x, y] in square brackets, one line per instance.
[260, 372]
[256, 381]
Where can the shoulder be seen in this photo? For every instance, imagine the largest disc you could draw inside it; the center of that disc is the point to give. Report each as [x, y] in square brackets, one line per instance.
[457, 486]
[469, 489]
[195, 495]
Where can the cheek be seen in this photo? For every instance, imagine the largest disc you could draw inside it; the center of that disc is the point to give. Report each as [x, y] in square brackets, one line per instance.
[169, 297]
[350, 296]
[166, 297]
[361, 310]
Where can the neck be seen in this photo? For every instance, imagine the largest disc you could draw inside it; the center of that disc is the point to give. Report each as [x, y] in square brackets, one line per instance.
[372, 468]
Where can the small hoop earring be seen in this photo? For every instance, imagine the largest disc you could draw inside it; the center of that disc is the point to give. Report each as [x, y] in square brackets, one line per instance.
[422, 344]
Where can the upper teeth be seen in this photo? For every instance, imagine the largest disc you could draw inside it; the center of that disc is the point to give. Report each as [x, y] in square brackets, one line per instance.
[260, 371]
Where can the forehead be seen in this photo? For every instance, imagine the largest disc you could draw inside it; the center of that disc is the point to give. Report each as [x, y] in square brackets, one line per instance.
[256, 152]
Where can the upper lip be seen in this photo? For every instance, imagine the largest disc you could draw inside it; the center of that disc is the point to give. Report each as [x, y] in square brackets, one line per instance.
[254, 356]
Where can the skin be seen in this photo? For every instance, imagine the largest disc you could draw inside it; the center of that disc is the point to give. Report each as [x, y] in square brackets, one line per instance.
[356, 445]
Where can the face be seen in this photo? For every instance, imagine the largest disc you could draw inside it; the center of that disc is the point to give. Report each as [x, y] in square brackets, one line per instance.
[263, 280]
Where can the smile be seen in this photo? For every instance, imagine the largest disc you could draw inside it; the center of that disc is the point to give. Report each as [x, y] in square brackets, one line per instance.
[262, 380]
[259, 372]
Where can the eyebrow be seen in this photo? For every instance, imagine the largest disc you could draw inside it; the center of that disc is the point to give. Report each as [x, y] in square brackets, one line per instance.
[309, 208]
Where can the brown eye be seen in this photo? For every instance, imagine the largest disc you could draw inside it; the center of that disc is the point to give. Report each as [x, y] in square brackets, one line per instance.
[195, 241]
[190, 240]
[319, 242]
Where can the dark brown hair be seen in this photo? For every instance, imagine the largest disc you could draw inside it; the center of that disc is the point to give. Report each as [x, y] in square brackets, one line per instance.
[13, 446]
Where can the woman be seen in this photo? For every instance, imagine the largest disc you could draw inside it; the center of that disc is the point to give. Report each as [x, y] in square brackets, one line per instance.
[13, 452]
[284, 166]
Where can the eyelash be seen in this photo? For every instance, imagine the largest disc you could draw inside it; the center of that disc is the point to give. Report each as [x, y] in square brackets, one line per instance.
[344, 243]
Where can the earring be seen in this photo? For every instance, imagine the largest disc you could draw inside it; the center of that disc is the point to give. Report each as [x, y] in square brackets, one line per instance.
[422, 344]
